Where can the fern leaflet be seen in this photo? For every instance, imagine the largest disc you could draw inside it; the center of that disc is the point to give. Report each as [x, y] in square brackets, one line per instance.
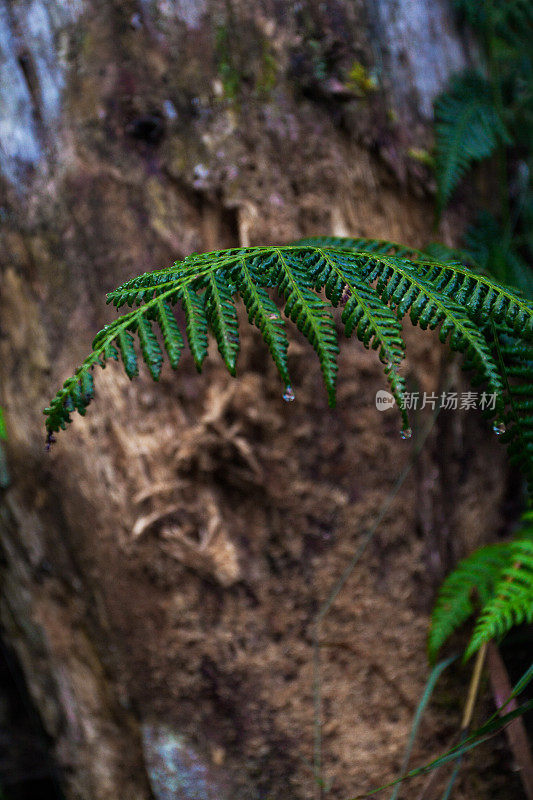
[475, 575]
[501, 577]
[468, 128]
[512, 599]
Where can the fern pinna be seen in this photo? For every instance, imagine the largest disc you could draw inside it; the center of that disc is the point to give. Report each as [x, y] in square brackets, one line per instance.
[377, 283]
[498, 581]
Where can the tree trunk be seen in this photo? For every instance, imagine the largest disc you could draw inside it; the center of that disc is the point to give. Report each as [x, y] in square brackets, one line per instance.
[162, 566]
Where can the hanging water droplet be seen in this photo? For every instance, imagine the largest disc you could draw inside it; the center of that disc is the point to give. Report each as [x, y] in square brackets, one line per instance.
[288, 394]
[273, 316]
[498, 427]
[406, 433]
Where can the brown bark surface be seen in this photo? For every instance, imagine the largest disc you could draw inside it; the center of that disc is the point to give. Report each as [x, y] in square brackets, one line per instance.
[163, 566]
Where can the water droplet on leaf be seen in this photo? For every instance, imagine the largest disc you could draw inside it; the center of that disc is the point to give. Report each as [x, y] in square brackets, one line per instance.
[498, 427]
[288, 394]
[406, 433]
[273, 316]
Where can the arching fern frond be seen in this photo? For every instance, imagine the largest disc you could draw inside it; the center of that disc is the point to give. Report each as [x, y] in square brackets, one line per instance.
[468, 128]
[497, 581]
[469, 586]
[512, 599]
[380, 281]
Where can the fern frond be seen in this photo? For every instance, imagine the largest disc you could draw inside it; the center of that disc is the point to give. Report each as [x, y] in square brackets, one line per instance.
[493, 251]
[512, 599]
[470, 585]
[513, 25]
[498, 580]
[380, 282]
[468, 128]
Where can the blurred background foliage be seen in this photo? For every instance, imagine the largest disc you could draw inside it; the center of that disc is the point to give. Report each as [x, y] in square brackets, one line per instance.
[486, 115]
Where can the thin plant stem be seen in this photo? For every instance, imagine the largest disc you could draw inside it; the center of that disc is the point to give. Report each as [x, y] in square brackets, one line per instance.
[473, 689]
[468, 712]
[426, 696]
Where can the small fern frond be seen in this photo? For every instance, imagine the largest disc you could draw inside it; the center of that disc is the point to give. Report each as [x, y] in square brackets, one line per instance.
[468, 128]
[512, 599]
[470, 585]
[513, 24]
[492, 249]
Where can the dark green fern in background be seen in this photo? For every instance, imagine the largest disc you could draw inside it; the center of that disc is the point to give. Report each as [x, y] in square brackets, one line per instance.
[487, 115]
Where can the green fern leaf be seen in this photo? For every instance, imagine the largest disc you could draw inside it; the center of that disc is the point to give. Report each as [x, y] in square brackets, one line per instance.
[493, 251]
[150, 349]
[373, 322]
[513, 26]
[263, 312]
[379, 281]
[468, 128]
[127, 351]
[171, 333]
[308, 311]
[196, 326]
[470, 585]
[222, 317]
[512, 598]
[479, 295]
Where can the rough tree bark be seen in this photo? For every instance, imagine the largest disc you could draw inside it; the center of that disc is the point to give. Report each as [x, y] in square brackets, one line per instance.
[162, 567]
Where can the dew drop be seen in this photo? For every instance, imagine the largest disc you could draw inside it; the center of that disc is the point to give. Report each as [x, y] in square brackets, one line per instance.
[288, 394]
[406, 433]
[273, 316]
[498, 427]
